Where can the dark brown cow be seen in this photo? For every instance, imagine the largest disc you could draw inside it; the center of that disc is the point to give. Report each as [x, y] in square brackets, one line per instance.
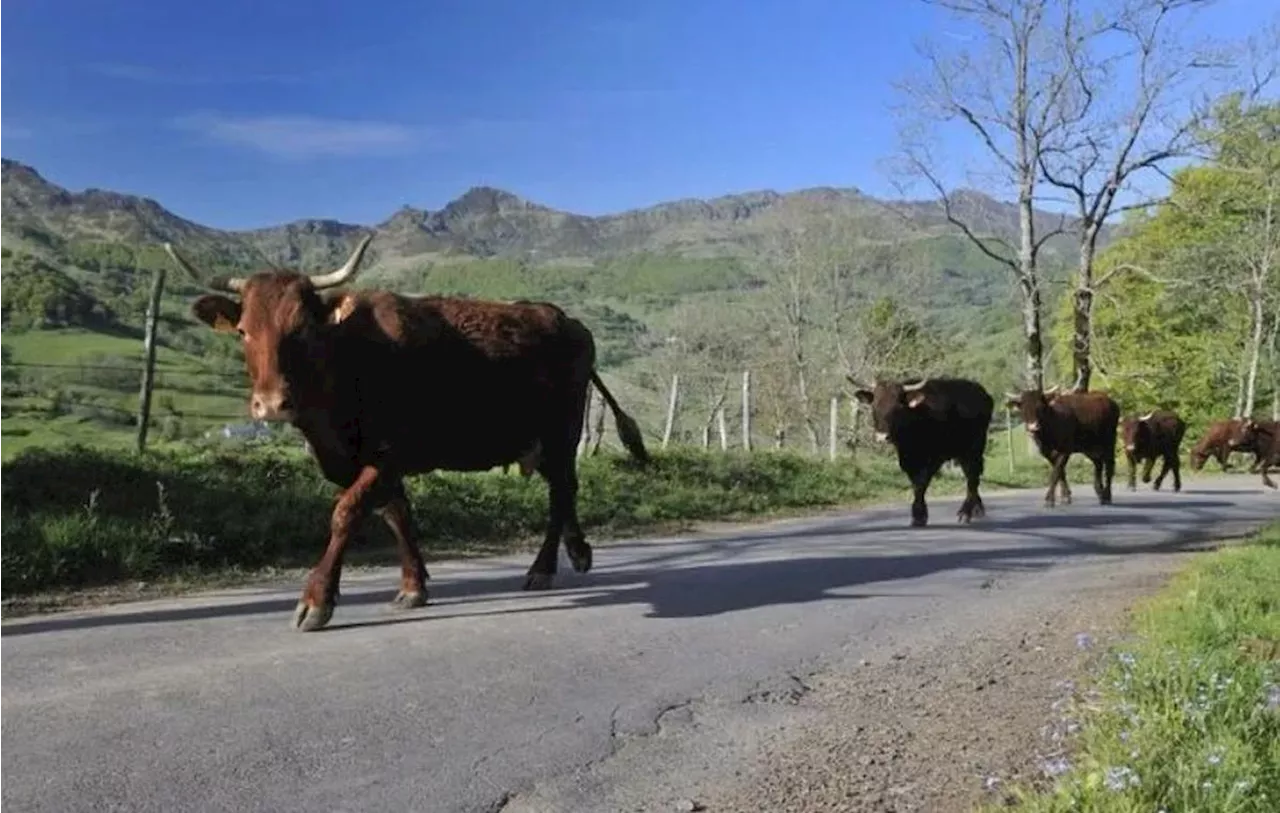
[1216, 443]
[1070, 423]
[930, 422]
[1263, 439]
[1154, 436]
[1247, 439]
[384, 385]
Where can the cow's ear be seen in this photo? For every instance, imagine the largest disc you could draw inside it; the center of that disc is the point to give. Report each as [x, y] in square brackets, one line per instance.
[218, 312]
[865, 396]
[1013, 401]
[340, 306]
[915, 399]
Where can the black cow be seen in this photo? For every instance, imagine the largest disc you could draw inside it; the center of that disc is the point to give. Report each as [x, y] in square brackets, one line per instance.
[1068, 423]
[930, 422]
[1154, 436]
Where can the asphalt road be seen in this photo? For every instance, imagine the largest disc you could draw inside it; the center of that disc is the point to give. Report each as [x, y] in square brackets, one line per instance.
[214, 703]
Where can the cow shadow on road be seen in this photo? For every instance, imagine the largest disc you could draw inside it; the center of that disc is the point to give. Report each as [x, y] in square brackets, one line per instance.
[717, 575]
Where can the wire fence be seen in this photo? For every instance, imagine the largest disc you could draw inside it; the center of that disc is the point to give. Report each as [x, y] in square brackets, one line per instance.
[747, 409]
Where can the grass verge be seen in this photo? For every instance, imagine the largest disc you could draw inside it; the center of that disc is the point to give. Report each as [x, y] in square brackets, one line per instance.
[79, 517]
[1187, 716]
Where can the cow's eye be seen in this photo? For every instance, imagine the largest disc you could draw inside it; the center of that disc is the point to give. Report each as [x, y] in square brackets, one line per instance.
[243, 335]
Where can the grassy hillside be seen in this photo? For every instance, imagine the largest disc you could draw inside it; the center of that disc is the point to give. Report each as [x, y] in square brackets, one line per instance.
[78, 266]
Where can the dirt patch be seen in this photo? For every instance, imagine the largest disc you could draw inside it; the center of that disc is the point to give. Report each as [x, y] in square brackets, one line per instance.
[949, 726]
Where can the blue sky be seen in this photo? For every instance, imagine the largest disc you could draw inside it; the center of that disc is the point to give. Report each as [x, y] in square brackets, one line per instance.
[245, 113]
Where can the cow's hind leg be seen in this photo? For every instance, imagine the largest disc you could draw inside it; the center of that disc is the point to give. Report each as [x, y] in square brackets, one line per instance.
[972, 506]
[413, 572]
[1104, 470]
[558, 469]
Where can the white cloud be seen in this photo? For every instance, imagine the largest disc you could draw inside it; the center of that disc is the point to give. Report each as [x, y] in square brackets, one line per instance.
[304, 136]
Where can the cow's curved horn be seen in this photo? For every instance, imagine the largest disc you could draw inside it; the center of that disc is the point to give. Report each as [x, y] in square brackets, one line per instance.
[231, 284]
[345, 272]
[919, 385]
[1147, 417]
[1052, 390]
[857, 385]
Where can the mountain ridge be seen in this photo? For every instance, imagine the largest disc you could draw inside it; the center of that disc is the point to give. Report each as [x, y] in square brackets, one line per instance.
[486, 222]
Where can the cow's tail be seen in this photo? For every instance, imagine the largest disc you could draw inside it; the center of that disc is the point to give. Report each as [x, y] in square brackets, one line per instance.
[628, 429]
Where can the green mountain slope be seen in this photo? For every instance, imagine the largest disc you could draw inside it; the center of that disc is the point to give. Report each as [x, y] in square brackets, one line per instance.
[82, 262]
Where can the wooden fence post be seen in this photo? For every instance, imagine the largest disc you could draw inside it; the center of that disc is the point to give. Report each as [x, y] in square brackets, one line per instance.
[834, 429]
[1008, 423]
[149, 364]
[584, 439]
[746, 410]
[723, 426]
[671, 409]
[599, 436]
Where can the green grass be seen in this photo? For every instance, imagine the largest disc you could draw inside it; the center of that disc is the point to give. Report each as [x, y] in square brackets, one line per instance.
[77, 517]
[75, 367]
[1187, 717]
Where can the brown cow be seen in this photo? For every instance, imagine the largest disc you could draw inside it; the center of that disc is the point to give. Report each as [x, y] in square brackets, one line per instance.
[1216, 444]
[1068, 423]
[1263, 439]
[1156, 435]
[384, 385]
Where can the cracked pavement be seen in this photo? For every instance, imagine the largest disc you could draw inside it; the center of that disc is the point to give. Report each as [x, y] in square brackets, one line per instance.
[620, 690]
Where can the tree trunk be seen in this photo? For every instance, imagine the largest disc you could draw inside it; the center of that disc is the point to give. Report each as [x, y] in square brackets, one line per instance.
[1082, 311]
[1255, 353]
[1029, 285]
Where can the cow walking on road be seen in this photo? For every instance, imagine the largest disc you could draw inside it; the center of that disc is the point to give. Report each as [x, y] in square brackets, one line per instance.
[1263, 439]
[1068, 423]
[1216, 444]
[930, 422]
[1150, 437]
[384, 385]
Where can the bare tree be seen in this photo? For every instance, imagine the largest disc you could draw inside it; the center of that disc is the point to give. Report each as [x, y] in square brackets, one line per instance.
[1007, 96]
[1132, 109]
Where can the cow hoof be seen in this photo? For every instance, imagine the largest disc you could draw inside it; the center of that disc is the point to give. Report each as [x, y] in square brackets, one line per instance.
[309, 619]
[1133, 487]
[538, 581]
[406, 600]
[919, 522]
[580, 557]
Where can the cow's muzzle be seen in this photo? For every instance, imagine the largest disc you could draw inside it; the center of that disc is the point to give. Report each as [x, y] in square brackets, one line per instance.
[882, 437]
[271, 406]
[1033, 427]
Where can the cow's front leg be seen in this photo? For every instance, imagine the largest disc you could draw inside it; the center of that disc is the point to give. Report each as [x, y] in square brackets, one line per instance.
[920, 481]
[1133, 470]
[396, 514]
[1147, 468]
[320, 594]
[1058, 481]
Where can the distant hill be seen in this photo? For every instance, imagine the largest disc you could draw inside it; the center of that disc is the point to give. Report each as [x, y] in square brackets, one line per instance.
[483, 223]
[77, 266]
